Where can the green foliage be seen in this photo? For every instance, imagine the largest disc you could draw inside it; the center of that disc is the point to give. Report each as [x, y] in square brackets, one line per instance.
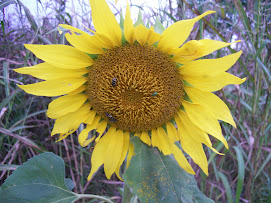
[158, 27]
[25, 129]
[40, 179]
[154, 177]
[139, 19]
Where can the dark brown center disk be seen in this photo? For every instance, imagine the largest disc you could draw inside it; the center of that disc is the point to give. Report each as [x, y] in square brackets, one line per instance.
[135, 88]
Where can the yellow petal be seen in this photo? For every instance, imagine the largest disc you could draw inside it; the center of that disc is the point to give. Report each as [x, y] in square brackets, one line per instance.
[105, 41]
[98, 155]
[128, 26]
[185, 125]
[113, 153]
[62, 136]
[176, 34]
[90, 118]
[191, 144]
[209, 67]
[210, 145]
[96, 121]
[83, 41]
[195, 151]
[154, 138]
[145, 35]
[202, 119]
[105, 22]
[46, 71]
[82, 137]
[182, 161]
[197, 48]
[101, 127]
[188, 52]
[71, 121]
[163, 142]
[213, 83]
[55, 87]
[172, 132]
[93, 125]
[61, 56]
[65, 104]
[78, 90]
[144, 137]
[131, 153]
[125, 147]
[212, 103]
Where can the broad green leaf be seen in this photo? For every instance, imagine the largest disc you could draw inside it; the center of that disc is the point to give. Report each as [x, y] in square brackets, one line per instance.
[154, 177]
[69, 183]
[40, 179]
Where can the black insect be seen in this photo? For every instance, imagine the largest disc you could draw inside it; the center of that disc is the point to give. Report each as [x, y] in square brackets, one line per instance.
[111, 118]
[114, 82]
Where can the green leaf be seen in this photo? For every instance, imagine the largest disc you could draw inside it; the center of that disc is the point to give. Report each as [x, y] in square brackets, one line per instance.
[69, 183]
[121, 20]
[259, 51]
[158, 27]
[226, 186]
[139, 19]
[40, 179]
[241, 173]
[154, 177]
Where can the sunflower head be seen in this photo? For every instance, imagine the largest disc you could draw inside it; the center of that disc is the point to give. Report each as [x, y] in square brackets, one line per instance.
[149, 85]
[135, 88]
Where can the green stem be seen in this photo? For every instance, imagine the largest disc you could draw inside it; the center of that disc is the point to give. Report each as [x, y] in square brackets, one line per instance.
[81, 196]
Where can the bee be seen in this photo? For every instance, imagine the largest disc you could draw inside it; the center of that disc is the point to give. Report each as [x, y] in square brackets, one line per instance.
[110, 118]
[114, 82]
[154, 94]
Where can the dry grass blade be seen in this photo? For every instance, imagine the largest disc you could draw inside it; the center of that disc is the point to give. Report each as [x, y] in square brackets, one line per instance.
[24, 140]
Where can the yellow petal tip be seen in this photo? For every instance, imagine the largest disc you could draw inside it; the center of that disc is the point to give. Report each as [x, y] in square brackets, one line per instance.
[243, 80]
[17, 70]
[208, 12]
[28, 46]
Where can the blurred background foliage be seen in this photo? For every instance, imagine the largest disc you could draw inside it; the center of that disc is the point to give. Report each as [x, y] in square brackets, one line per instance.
[242, 175]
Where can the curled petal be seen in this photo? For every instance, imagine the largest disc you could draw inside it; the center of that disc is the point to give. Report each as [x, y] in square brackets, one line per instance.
[197, 48]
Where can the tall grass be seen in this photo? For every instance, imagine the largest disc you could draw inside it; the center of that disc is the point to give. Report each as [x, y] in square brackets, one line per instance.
[242, 175]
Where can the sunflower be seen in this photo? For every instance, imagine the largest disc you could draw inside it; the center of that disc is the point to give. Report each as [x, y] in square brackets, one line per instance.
[134, 81]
